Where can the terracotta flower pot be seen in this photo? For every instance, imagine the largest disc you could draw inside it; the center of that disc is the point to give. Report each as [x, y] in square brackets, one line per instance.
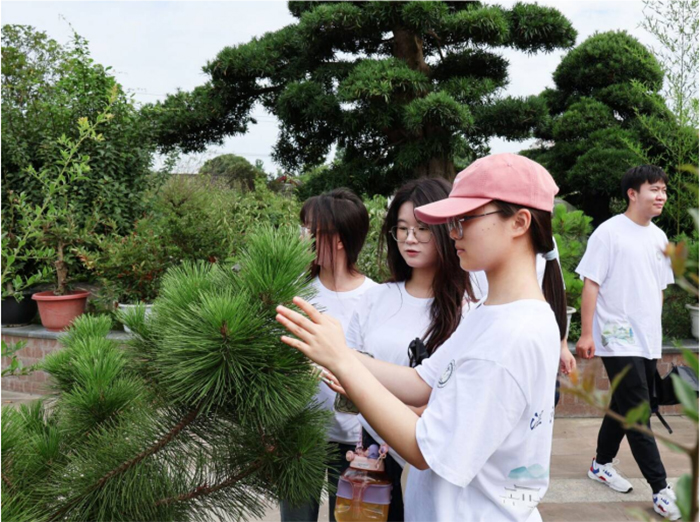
[57, 312]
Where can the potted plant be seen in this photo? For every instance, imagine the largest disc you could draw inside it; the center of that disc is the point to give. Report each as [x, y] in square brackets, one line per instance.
[129, 267]
[57, 225]
[19, 274]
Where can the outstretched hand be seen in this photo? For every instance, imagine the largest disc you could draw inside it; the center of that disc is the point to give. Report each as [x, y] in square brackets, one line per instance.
[318, 336]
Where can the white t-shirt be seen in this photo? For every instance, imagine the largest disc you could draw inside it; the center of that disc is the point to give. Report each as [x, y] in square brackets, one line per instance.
[487, 431]
[344, 427]
[627, 261]
[385, 322]
[480, 284]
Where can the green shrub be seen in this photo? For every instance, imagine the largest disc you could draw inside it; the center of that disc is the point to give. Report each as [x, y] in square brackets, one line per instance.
[235, 171]
[675, 319]
[571, 231]
[192, 215]
[129, 268]
[372, 263]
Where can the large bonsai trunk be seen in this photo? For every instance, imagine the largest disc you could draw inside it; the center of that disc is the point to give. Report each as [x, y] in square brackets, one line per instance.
[409, 48]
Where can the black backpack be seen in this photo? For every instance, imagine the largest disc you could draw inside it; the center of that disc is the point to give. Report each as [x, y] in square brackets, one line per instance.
[664, 395]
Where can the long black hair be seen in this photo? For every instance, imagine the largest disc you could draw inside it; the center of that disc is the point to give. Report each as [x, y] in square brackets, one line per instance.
[450, 282]
[340, 212]
[543, 242]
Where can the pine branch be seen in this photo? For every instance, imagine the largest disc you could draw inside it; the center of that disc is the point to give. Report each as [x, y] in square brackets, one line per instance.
[160, 444]
[207, 490]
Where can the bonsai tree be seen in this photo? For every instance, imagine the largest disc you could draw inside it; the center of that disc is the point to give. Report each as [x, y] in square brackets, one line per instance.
[606, 93]
[399, 87]
[206, 413]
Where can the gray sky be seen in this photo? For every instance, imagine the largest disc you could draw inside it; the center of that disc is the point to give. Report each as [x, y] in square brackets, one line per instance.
[156, 48]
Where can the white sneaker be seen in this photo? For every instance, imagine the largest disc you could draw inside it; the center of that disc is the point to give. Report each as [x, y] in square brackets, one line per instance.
[665, 504]
[608, 475]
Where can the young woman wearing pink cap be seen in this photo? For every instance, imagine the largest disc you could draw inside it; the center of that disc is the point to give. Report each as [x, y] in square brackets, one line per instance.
[482, 446]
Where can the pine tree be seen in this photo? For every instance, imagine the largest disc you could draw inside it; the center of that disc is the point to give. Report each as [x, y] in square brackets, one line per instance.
[400, 87]
[205, 413]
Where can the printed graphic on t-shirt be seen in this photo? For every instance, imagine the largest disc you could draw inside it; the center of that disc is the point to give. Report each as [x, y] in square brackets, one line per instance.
[521, 497]
[447, 374]
[536, 419]
[531, 472]
[618, 333]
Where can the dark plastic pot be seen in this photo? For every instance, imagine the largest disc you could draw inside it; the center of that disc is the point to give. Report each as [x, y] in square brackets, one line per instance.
[18, 313]
[58, 311]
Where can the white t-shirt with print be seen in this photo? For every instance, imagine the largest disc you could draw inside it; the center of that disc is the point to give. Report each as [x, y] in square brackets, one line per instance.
[344, 427]
[385, 322]
[486, 434]
[627, 260]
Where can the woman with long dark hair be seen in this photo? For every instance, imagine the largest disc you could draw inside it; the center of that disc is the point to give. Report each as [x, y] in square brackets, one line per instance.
[415, 312]
[337, 222]
[482, 445]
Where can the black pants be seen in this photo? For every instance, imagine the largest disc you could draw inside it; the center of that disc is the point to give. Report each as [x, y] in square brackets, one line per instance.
[637, 386]
[394, 470]
[308, 512]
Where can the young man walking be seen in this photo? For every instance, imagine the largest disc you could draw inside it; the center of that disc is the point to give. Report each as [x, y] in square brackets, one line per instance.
[625, 273]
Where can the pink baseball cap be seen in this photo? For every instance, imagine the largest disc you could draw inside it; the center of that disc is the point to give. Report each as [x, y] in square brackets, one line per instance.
[503, 177]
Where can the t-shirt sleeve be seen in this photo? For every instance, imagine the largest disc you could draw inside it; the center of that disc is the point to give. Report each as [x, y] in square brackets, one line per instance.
[474, 411]
[596, 260]
[429, 370]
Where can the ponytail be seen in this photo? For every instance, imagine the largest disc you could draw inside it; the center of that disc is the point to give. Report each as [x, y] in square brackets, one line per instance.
[554, 293]
[543, 243]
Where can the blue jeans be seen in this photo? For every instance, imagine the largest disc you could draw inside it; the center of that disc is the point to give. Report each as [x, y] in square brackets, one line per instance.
[308, 512]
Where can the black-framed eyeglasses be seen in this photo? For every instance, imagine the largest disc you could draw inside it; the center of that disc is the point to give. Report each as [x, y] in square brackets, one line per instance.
[417, 352]
[421, 233]
[456, 223]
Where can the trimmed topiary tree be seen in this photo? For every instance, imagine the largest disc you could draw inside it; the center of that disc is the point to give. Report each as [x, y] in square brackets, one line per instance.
[399, 87]
[606, 89]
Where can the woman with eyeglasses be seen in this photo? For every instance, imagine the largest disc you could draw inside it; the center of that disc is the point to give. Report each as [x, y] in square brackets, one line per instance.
[337, 222]
[409, 317]
[481, 447]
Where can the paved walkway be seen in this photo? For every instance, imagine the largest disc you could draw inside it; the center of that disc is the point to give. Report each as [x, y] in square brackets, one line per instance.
[571, 497]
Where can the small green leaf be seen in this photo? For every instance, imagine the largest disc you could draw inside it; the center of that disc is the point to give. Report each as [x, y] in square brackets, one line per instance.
[687, 397]
[683, 491]
[691, 359]
[618, 378]
[639, 414]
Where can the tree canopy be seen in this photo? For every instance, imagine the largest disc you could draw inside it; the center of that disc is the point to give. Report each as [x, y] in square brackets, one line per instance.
[400, 87]
[46, 88]
[234, 170]
[606, 89]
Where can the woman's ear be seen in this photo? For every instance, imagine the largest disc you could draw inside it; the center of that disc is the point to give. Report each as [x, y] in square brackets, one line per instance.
[521, 222]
